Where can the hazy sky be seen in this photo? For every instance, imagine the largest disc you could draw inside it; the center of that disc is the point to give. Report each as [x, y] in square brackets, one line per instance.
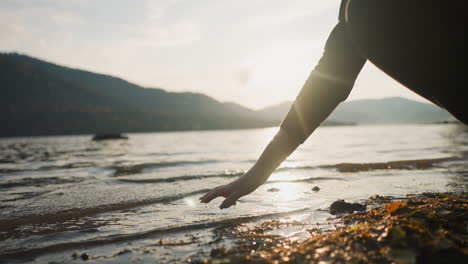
[253, 52]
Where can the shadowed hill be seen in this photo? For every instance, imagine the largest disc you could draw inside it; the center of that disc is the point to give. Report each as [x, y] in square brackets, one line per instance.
[41, 98]
[390, 110]
[375, 111]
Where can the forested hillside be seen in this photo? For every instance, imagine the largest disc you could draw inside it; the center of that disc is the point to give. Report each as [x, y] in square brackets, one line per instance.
[41, 98]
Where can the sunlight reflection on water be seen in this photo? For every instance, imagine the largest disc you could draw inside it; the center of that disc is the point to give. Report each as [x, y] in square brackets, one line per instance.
[287, 192]
[191, 202]
[62, 190]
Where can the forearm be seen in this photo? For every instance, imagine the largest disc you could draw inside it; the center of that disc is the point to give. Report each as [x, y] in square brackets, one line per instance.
[316, 101]
[328, 85]
[279, 148]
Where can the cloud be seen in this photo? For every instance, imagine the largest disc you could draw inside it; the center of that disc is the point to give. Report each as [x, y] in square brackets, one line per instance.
[158, 29]
[131, 23]
[181, 33]
[31, 25]
[228, 49]
[279, 13]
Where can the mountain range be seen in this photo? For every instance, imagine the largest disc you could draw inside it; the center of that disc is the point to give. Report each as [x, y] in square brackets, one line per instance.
[375, 111]
[42, 98]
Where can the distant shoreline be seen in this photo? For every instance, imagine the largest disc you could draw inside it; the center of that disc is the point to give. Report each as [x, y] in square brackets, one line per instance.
[334, 124]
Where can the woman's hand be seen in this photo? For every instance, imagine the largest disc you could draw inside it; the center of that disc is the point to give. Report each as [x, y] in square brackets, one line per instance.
[243, 185]
[276, 152]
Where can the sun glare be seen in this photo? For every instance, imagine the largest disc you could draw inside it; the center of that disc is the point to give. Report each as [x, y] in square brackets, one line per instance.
[278, 71]
[288, 191]
[190, 202]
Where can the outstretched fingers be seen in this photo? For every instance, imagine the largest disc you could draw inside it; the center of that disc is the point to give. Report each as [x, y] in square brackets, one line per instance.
[216, 192]
[230, 200]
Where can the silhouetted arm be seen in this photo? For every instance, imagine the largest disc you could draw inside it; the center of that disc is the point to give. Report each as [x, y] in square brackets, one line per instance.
[329, 84]
[279, 148]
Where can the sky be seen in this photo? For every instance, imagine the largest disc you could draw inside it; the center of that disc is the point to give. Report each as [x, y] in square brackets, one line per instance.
[253, 52]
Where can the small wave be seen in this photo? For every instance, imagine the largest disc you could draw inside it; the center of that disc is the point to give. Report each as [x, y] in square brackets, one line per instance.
[340, 167]
[13, 170]
[313, 179]
[391, 165]
[297, 168]
[17, 196]
[226, 175]
[73, 165]
[183, 178]
[12, 223]
[225, 222]
[39, 182]
[138, 168]
[170, 153]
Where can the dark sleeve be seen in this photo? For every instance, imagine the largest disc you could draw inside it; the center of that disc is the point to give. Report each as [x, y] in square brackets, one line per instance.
[328, 85]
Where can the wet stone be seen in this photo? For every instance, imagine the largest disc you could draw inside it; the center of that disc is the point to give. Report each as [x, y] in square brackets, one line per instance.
[342, 207]
[84, 256]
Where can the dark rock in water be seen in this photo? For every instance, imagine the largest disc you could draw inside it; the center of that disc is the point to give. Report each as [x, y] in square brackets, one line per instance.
[342, 207]
[108, 136]
[273, 190]
[316, 189]
[84, 256]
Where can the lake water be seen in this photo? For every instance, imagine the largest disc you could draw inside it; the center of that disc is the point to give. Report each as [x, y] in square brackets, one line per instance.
[136, 200]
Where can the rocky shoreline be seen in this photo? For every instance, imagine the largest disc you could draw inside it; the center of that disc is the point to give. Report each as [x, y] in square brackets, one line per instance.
[423, 228]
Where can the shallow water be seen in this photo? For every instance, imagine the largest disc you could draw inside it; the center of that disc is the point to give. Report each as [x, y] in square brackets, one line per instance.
[137, 199]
